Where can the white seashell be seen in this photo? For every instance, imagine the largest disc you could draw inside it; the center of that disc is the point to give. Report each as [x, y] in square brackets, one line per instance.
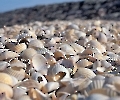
[97, 96]
[67, 49]
[17, 63]
[85, 72]
[24, 97]
[18, 92]
[3, 65]
[28, 53]
[50, 86]
[4, 88]
[58, 54]
[57, 72]
[102, 38]
[35, 44]
[84, 63]
[8, 55]
[77, 48]
[39, 62]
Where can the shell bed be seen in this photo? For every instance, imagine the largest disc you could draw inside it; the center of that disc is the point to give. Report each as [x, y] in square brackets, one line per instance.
[60, 60]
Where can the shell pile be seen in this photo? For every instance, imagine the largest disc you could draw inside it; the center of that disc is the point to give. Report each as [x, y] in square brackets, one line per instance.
[60, 60]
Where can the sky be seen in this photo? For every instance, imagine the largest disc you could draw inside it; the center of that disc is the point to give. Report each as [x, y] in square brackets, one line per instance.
[7, 5]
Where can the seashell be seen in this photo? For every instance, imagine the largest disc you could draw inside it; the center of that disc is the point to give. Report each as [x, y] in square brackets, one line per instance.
[50, 86]
[17, 72]
[4, 97]
[4, 88]
[84, 63]
[28, 83]
[24, 97]
[2, 50]
[99, 77]
[5, 78]
[28, 53]
[19, 47]
[67, 89]
[35, 44]
[77, 48]
[57, 72]
[67, 49]
[64, 96]
[114, 98]
[82, 41]
[51, 60]
[102, 38]
[17, 63]
[85, 72]
[58, 54]
[8, 55]
[36, 94]
[97, 96]
[39, 78]
[18, 92]
[3, 65]
[39, 62]
[44, 50]
[73, 26]
[87, 52]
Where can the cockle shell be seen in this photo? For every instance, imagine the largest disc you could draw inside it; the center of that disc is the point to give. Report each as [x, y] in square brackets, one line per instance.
[83, 63]
[57, 72]
[6, 79]
[17, 72]
[50, 86]
[19, 47]
[85, 72]
[35, 44]
[4, 88]
[3, 65]
[7, 55]
[28, 53]
[39, 62]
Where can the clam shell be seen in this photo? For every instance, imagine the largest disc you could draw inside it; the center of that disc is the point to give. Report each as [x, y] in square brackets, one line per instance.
[24, 97]
[28, 53]
[17, 72]
[83, 63]
[35, 44]
[19, 48]
[58, 54]
[4, 88]
[67, 49]
[85, 72]
[77, 48]
[17, 63]
[102, 38]
[18, 92]
[39, 62]
[6, 79]
[3, 65]
[8, 55]
[57, 72]
[50, 86]
[97, 96]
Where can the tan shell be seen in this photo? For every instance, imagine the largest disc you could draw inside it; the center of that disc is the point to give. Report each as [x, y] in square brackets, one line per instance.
[59, 54]
[35, 44]
[5, 78]
[39, 62]
[17, 72]
[7, 55]
[57, 72]
[85, 72]
[50, 86]
[28, 53]
[7, 89]
[3, 65]
[19, 48]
